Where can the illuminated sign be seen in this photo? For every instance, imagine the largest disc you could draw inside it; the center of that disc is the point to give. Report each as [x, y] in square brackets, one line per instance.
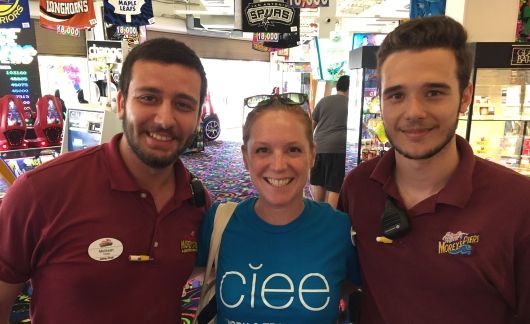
[520, 55]
[104, 51]
[19, 69]
[269, 16]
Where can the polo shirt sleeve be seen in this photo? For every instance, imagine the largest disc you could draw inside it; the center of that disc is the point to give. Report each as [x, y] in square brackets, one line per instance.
[205, 236]
[522, 280]
[352, 261]
[354, 270]
[21, 230]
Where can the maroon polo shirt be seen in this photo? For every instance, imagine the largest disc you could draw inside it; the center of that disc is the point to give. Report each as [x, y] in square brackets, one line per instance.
[466, 258]
[71, 225]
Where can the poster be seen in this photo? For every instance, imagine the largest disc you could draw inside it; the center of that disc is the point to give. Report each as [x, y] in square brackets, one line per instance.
[14, 14]
[67, 74]
[269, 16]
[63, 14]
[128, 12]
[424, 8]
[522, 33]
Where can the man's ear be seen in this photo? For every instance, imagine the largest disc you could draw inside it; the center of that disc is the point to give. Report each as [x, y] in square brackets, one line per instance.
[244, 153]
[466, 98]
[120, 101]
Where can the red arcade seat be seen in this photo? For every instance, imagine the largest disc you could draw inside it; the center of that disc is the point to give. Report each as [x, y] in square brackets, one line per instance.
[12, 123]
[48, 124]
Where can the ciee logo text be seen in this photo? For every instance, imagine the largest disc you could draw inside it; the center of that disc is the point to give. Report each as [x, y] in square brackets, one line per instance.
[266, 292]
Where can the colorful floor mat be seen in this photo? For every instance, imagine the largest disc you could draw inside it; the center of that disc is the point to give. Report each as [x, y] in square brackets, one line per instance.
[220, 168]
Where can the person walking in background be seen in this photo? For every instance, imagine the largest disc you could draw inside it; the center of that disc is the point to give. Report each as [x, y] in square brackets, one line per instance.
[329, 122]
[109, 234]
[258, 278]
[443, 235]
[63, 106]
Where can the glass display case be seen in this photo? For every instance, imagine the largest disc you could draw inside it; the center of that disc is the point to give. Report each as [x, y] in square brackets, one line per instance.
[497, 121]
[366, 132]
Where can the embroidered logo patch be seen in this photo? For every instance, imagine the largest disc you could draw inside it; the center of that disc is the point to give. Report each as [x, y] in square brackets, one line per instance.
[188, 246]
[189, 243]
[458, 243]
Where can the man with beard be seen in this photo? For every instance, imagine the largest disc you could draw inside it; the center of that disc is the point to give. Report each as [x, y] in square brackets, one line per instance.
[443, 235]
[109, 234]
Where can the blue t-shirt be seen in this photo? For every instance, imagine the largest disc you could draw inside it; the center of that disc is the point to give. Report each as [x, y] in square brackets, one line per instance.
[281, 274]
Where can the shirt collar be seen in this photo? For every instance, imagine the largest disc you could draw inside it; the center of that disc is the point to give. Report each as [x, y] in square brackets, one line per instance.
[456, 192]
[121, 179]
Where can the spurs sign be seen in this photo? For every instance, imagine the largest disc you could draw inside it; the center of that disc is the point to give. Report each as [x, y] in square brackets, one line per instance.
[270, 16]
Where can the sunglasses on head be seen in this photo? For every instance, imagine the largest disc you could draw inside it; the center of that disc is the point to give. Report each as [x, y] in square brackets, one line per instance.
[289, 98]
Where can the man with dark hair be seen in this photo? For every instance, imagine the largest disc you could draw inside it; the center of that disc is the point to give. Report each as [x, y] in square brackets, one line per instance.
[117, 240]
[329, 122]
[443, 235]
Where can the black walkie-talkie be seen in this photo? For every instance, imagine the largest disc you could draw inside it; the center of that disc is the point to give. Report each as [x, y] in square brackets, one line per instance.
[394, 220]
[197, 192]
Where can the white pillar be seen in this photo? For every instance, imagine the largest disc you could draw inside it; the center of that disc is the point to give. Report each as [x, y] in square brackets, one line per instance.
[327, 19]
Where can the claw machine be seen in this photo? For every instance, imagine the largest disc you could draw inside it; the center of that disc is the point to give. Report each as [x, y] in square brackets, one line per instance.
[365, 126]
[497, 123]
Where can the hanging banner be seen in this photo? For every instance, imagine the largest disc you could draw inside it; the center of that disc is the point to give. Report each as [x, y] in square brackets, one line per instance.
[285, 40]
[129, 12]
[19, 69]
[269, 16]
[55, 14]
[308, 3]
[425, 8]
[279, 41]
[257, 44]
[14, 14]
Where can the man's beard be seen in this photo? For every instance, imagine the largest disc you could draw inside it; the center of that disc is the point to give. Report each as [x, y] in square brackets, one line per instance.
[150, 160]
[430, 153]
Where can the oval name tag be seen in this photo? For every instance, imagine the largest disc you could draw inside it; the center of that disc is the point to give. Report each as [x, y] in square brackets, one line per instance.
[105, 249]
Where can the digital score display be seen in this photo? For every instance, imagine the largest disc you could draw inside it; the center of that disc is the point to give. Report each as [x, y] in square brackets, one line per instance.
[19, 69]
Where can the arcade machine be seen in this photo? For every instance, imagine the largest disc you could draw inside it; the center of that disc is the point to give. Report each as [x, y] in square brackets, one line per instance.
[48, 125]
[6, 178]
[20, 309]
[86, 127]
[12, 123]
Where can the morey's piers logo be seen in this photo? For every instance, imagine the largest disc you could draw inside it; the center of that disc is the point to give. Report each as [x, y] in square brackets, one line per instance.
[458, 243]
[265, 14]
[9, 10]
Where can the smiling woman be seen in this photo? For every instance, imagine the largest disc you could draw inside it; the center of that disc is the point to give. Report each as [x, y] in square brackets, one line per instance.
[265, 232]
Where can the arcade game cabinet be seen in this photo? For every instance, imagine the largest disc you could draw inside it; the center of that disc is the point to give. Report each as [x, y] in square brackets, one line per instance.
[86, 127]
[6, 178]
[48, 124]
[12, 123]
